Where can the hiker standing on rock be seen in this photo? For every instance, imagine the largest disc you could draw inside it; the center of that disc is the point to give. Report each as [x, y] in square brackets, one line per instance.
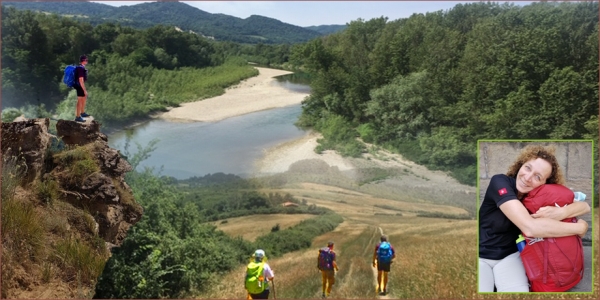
[502, 217]
[327, 265]
[258, 276]
[80, 79]
[382, 259]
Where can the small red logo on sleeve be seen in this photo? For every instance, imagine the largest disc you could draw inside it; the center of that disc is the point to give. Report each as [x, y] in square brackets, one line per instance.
[502, 191]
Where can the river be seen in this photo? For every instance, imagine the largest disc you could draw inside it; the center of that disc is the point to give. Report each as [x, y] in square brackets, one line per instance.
[187, 149]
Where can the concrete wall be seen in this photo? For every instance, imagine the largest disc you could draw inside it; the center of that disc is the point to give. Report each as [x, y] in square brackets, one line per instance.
[575, 158]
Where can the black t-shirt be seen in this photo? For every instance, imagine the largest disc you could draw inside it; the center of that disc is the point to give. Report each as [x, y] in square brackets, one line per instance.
[80, 71]
[497, 234]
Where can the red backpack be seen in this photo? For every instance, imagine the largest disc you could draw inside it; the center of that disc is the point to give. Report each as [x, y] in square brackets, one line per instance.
[552, 264]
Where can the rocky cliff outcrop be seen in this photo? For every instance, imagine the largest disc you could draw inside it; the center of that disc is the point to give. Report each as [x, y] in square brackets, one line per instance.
[98, 186]
[28, 141]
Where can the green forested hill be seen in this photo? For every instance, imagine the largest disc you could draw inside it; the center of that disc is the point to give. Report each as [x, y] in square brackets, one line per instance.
[432, 84]
[255, 29]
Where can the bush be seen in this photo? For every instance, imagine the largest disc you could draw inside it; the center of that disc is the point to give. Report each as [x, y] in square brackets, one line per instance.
[366, 132]
[47, 191]
[299, 236]
[79, 162]
[275, 228]
[10, 114]
[339, 135]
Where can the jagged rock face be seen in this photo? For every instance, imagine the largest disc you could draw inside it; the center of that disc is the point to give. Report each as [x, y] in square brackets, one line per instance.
[74, 133]
[27, 140]
[105, 193]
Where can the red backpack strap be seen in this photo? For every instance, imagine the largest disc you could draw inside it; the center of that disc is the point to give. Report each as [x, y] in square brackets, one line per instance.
[545, 276]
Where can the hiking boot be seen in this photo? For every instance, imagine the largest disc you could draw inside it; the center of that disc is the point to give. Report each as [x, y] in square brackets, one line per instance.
[79, 119]
[84, 115]
[323, 296]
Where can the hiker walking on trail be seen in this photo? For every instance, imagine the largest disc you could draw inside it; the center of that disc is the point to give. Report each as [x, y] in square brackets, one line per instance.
[258, 276]
[382, 259]
[79, 86]
[327, 265]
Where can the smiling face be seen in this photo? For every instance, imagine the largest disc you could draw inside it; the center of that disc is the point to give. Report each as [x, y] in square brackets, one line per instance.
[532, 174]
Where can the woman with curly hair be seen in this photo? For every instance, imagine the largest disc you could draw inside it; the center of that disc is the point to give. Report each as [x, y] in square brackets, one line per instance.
[502, 217]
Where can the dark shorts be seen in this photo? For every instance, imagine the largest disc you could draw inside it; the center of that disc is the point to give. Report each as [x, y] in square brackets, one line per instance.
[263, 295]
[381, 266]
[79, 90]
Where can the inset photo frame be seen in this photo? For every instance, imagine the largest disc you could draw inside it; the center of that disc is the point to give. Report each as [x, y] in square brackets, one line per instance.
[535, 216]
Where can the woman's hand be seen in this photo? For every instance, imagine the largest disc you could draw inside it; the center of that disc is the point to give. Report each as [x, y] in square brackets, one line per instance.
[550, 212]
[581, 221]
[574, 209]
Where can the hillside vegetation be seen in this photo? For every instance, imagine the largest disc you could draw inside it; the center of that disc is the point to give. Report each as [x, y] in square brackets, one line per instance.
[431, 85]
[174, 251]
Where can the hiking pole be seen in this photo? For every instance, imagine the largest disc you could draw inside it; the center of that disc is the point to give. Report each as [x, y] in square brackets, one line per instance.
[274, 293]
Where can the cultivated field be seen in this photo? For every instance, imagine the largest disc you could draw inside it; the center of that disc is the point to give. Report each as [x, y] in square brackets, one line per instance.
[251, 227]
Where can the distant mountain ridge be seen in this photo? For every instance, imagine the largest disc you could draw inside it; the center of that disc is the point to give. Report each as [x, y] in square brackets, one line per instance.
[254, 29]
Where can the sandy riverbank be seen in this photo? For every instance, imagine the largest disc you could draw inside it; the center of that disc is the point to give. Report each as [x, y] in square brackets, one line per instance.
[251, 95]
[261, 93]
[279, 158]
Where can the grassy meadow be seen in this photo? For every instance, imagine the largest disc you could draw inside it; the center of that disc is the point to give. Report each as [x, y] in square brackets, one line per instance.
[436, 257]
[296, 275]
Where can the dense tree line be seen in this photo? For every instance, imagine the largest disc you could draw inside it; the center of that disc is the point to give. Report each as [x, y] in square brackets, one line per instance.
[432, 84]
[220, 196]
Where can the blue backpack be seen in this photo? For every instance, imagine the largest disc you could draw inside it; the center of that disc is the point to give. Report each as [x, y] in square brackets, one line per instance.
[69, 78]
[384, 252]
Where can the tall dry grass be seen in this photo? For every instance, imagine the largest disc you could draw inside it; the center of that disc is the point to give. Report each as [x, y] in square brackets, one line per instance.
[79, 261]
[435, 265]
[22, 234]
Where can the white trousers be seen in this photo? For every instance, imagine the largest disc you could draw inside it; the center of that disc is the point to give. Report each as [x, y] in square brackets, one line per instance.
[507, 274]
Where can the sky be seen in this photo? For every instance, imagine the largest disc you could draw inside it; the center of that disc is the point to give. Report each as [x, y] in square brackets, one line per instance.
[313, 13]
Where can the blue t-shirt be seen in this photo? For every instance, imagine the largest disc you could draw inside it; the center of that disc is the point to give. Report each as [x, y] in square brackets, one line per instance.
[497, 234]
